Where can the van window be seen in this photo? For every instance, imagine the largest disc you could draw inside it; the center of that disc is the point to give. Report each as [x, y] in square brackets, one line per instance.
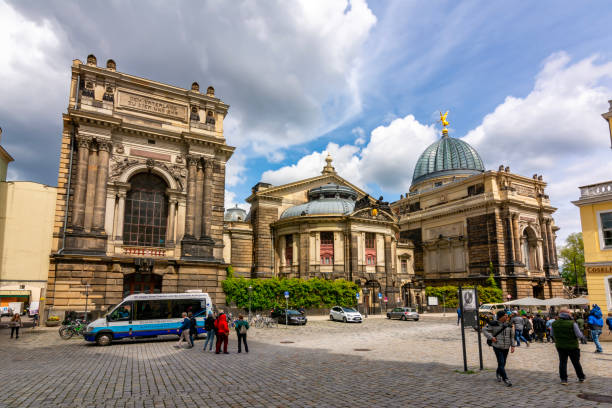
[152, 309]
[186, 305]
[122, 313]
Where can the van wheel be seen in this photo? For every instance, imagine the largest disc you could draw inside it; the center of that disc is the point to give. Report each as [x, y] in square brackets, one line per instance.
[104, 339]
[331, 318]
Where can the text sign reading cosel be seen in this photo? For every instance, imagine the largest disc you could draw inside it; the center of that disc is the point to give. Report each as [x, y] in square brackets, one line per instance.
[155, 106]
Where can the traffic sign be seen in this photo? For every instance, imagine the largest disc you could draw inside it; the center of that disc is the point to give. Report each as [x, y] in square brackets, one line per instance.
[357, 295]
[286, 295]
[379, 295]
[386, 300]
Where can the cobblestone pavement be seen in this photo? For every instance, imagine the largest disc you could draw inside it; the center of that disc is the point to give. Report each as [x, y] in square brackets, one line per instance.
[402, 364]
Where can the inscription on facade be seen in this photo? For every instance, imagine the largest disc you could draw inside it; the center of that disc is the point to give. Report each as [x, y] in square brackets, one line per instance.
[524, 190]
[150, 105]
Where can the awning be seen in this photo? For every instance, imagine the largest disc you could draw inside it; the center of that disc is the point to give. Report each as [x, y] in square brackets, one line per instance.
[15, 293]
[562, 302]
[527, 301]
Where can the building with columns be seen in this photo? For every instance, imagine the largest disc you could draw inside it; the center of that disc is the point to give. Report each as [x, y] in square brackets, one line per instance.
[321, 227]
[466, 223]
[140, 197]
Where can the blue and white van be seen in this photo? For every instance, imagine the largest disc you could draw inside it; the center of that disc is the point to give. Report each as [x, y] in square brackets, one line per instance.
[147, 315]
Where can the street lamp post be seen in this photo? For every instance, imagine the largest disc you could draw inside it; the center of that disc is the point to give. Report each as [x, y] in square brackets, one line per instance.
[250, 292]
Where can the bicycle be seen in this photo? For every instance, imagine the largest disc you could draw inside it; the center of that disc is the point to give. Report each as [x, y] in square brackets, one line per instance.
[74, 328]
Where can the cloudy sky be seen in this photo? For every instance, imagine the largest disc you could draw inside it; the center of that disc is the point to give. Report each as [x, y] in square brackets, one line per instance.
[525, 83]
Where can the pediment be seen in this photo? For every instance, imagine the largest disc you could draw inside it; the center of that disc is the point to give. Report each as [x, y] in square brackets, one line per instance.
[305, 185]
[374, 214]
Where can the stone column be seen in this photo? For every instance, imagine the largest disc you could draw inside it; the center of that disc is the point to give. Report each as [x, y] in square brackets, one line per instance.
[544, 234]
[90, 195]
[80, 188]
[120, 215]
[199, 201]
[100, 192]
[191, 187]
[552, 255]
[208, 199]
[511, 239]
[517, 238]
[171, 218]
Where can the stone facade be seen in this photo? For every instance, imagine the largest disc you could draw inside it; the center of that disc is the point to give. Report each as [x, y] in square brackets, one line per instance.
[141, 187]
[465, 227]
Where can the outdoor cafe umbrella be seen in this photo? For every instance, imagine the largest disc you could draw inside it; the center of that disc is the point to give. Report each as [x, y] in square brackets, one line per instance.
[527, 301]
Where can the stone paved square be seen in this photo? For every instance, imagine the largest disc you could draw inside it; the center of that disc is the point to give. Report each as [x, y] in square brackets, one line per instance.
[408, 364]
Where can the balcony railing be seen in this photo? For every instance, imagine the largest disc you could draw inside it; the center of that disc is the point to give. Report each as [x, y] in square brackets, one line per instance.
[144, 251]
[596, 190]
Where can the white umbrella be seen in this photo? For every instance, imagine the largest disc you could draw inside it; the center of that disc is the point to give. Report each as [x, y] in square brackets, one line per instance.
[579, 301]
[527, 301]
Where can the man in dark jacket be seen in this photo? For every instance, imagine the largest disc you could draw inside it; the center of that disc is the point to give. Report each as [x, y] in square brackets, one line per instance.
[596, 324]
[539, 328]
[193, 328]
[566, 334]
[184, 331]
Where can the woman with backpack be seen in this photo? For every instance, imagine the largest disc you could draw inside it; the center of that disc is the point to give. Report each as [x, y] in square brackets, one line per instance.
[241, 330]
[500, 335]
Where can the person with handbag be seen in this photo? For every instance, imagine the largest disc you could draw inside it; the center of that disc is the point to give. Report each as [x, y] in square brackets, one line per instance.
[242, 326]
[15, 324]
[500, 336]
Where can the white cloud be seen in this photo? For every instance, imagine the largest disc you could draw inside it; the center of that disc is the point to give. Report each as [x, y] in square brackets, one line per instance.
[361, 137]
[230, 201]
[345, 161]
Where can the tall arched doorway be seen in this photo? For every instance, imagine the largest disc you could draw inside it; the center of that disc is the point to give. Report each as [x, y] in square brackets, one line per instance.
[146, 211]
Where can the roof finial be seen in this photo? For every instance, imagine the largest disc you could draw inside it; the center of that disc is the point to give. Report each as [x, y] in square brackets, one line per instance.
[444, 123]
[328, 169]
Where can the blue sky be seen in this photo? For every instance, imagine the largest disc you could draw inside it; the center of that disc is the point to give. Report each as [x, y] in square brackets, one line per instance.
[525, 83]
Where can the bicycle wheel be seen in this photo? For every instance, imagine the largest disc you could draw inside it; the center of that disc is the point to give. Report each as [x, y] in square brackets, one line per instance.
[259, 323]
[66, 332]
[272, 323]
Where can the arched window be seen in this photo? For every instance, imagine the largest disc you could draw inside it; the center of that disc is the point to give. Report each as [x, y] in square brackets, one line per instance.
[146, 211]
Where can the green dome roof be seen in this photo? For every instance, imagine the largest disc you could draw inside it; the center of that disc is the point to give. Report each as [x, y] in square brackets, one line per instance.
[330, 199]
[447, 156]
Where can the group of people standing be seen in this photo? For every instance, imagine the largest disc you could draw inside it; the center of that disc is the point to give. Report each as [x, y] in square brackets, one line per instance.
[511, 327]
[216, 327]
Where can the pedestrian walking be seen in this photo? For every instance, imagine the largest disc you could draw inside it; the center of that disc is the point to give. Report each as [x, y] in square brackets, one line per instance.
[222, 331]
[458, 315]
[595, 321]
[566, 333]
[527, 326]
[518, 323]
[539, 328]
[15, 323]
[193, 328]
[242, 326]
[209, 326]
[500, 336]
[184, 330]
[549, 321]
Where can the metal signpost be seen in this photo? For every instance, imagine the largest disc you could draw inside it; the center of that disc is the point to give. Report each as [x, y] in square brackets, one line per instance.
[479, 330]
[250, 291]
[462, 329]
[287, 301]
[380, 301]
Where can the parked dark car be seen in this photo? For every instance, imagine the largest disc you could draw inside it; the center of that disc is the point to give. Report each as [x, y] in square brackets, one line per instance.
[403, 313]
[292, 317]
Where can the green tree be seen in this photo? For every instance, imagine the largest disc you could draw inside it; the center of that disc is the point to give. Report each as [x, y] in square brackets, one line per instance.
[571, 258]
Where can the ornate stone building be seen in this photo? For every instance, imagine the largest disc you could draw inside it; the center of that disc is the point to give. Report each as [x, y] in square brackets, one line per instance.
[141, 183]
[466, 222]
[321, 227]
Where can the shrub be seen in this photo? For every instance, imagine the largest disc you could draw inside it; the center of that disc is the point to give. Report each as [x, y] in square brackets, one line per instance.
[269, 293]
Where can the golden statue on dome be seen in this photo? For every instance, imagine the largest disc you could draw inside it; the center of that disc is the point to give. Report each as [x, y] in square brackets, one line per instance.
[444, 123]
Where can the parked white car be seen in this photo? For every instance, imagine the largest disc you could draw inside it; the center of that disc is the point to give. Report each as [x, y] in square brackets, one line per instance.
[345, 314]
